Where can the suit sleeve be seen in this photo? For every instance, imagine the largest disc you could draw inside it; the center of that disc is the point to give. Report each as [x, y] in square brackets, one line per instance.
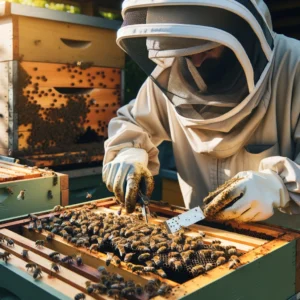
[289, 169]
[143, 123]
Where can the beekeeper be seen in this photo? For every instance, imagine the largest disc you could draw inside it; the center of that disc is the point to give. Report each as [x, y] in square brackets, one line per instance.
[225, 90]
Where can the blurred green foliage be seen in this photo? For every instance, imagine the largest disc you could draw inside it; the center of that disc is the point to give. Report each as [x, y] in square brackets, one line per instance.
[50, 5]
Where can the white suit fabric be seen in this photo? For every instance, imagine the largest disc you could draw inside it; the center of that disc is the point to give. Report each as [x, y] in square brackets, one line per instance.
[260, 132]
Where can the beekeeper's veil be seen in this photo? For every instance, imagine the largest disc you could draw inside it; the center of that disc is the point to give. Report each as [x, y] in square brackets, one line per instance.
[163, 34]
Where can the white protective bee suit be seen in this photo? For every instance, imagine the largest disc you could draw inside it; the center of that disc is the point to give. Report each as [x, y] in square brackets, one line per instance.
[249, 121]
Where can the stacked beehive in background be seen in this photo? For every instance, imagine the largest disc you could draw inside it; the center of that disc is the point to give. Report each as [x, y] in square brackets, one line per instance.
[60, 84]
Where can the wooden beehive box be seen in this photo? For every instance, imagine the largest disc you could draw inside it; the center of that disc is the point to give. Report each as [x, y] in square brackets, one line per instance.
[269, 266]
[42, 189]
[61, 84]
[42, 35]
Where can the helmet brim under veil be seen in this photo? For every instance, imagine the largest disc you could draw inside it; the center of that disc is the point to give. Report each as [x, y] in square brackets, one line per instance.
[160, 36]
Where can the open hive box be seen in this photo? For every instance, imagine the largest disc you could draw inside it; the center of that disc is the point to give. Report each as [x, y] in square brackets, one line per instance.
[25, 189]
[265, 264]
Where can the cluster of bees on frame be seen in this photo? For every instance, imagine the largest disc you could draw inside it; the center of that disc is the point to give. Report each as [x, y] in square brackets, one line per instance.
[143, 248]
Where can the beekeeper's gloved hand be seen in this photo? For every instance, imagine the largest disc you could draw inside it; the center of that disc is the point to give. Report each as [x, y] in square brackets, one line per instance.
[126, 174]
[247, 197]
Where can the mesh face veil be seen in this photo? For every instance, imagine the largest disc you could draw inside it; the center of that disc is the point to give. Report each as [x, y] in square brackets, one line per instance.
[161, 35]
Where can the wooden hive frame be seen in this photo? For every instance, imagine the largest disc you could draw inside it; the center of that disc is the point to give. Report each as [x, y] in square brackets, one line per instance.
[38, 100]
[270, 265]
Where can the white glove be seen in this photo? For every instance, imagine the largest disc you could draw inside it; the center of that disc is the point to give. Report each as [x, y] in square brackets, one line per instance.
[253, 194]
[123, 176]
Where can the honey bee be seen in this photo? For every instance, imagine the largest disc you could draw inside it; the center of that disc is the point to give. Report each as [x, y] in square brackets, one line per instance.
[37, 273]
[116, 259]
[153, 245]
[5, 256]
[209, 266]
[136, 268]
[39, 243]
[31, 226]
[106, 237]
[205, 253]
[121, 250]
[30, 266]
[109, 257]
[161, 273]
[217, 254]
[232, 251]
[179, 248]
[177, 265]
[24, 253]
[139, 289]
[128, 257]
[114, 292]
[129, 265]
[79, 296]
[157, 260]
[173, 246]
[188, 240]
[128, 291]
[100, 287]
[88, 196]
[67, 259]
[57, 208]
[94, 247]
[149, 263]
[49, 237]
[10, 242]
[144, 256]
[21, 195]
[171, 260]
[143, 249]
[218, 242]
[162, 249]
[54, 255]
[220, 261]
[178, 240]
[201, 233]
[234, 261]
[174, 254]
[186, 247]
[135, 244]
[163, 289]
[55, 267]
[84, 229]
[79, 260]
[198, 270]
[149, 269]
[188, 253]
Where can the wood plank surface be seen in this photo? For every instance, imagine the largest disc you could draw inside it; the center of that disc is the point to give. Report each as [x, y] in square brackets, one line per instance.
[59, 42]
[70, 277]
[46, 278]
[6, 33]
[19, 168]
[67, 76]
[19, 222]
